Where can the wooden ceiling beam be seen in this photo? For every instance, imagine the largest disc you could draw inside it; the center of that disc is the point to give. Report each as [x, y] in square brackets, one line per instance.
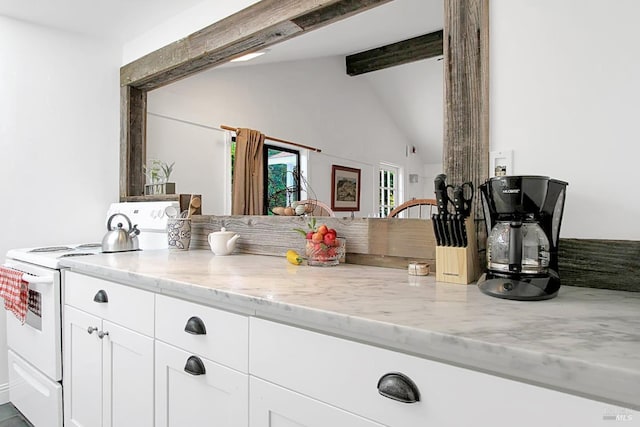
[260, 25]
[402, 52]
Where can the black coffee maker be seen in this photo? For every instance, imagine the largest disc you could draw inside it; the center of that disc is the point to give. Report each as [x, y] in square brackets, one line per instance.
[523, 216]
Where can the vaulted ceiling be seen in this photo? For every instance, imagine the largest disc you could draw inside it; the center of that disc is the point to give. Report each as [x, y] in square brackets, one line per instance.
[402, 89]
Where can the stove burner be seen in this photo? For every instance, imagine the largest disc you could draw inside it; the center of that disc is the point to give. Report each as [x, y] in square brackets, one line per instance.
[89, 246]
[52, 249]
[76, 254]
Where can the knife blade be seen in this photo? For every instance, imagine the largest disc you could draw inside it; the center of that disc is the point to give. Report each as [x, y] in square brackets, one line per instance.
[440, 189]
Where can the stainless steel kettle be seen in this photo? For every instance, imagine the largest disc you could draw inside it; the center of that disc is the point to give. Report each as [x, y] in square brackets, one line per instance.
[118, 239]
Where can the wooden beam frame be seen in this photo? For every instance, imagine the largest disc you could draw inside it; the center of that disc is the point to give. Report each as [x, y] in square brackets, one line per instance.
[266, 23]
[403, 52]
[466, 95]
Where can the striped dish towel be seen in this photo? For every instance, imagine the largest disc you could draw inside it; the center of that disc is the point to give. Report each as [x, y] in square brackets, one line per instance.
[14, 290]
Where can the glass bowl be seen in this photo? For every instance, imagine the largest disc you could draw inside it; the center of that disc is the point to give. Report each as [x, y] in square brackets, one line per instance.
[322, 255]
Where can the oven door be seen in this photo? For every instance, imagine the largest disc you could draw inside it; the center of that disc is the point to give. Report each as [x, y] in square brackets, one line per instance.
[38, 341]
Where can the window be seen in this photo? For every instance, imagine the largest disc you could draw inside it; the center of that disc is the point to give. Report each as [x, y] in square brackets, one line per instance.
[281, 177]
[389, 188]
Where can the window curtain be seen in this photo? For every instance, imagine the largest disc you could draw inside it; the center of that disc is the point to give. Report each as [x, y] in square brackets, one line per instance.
[248, 173]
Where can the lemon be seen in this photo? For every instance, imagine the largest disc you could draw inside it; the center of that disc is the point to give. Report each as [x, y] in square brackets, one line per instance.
[293, 257]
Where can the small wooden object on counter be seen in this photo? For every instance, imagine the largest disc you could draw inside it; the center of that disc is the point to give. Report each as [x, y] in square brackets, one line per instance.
[459, 265]
[418, 269]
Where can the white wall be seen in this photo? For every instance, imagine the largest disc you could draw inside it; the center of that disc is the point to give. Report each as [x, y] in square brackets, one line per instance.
[198, 152]
[59, 139]
[183, 24]
[413, 95]
[311, 102]
[564, 96]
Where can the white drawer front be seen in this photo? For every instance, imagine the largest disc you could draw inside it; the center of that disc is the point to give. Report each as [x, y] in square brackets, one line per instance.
[226, 337]
[345, 374]
[36, 396]
[126, 306]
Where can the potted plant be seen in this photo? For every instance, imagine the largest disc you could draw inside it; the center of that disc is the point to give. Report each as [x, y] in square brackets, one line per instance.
[158, 174]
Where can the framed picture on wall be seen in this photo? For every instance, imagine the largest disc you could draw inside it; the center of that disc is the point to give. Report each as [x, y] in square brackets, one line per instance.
[345, 188]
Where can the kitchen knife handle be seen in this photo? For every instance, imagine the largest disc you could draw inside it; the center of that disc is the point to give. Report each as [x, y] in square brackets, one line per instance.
[446, 237]
[453, 233]
[436, 229]
[458, 199]
[440, 190]
[463, 231]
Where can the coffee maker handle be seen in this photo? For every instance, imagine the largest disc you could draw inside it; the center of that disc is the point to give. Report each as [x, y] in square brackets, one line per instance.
[515, 247]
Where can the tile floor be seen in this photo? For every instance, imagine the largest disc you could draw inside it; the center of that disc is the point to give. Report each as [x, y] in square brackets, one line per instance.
[11, 417]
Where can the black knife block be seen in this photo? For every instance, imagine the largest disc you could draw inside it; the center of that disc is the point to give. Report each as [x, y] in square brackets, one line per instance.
[459, 265]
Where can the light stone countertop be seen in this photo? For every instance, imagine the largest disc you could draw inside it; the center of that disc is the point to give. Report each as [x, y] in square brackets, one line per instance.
[585, 341]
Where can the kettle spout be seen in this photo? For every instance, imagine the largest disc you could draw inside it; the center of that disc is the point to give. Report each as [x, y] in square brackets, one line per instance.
[231, 243]
[134, 231]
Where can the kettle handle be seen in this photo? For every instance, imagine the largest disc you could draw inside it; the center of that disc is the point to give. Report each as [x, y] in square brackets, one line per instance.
[110, 228]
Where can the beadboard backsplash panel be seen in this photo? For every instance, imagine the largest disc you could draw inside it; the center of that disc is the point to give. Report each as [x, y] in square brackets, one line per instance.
[379, 242]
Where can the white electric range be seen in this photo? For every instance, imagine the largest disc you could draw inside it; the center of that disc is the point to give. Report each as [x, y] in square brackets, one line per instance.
[35, 347]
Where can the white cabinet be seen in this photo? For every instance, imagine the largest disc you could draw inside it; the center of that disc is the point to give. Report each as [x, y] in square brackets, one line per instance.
[133, 358]
[108, 367]
[82, 369]
[201, 365]
[347, 375]
[194, 391]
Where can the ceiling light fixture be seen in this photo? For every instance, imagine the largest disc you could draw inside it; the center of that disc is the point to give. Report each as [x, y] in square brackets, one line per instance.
[249, 56]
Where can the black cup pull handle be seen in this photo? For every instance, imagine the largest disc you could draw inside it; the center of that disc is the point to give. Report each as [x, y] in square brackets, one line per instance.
[194, 366]
[399, 387]
[101, 296]
[195, 326]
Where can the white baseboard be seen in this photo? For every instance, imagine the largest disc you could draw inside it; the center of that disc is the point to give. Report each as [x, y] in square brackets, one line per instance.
[4, 393]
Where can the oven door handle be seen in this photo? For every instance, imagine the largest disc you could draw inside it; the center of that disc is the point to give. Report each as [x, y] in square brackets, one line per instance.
[32, 278]
[36, 279]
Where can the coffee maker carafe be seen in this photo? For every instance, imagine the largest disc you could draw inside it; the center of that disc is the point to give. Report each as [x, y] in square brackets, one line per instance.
[523, 216]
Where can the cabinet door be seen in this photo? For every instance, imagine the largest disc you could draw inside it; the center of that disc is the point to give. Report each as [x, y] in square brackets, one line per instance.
[82, 369]
[274, 406]
[127, 371]
[211, 395]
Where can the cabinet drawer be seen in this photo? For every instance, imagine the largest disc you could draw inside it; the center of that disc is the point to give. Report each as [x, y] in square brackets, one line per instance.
[124, 305]
[345, 374]
[215, 334]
